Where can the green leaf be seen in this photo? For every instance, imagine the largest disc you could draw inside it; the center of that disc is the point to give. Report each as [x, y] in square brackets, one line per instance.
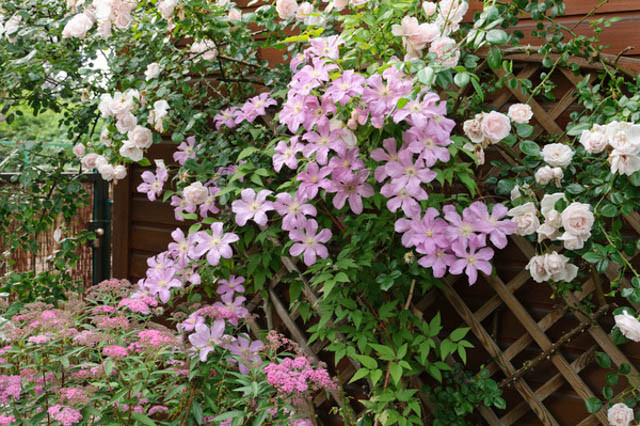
[144, 162]
[367, 361]
[497, 37]
[578, 129]
[494, 58]
[530, 148]
[359, 375]
[342, 277]
[603, 360]
[635, 179]
[247, 152]
[609, 210]
[575, 189]
[142, 418]
[593, 405]
[524, 130]
[375, 376]
[461, 79]
[396, 372]
[459, 333]
[592, 257]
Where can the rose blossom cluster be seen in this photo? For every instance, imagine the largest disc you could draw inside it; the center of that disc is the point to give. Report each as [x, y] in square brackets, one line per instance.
[92, 161]
[576, 219]
[620, 139]
[457, 243]
[106, 13]
[492, 127]
[444, 19]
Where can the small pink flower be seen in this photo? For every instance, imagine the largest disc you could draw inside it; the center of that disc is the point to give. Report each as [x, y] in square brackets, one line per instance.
[251, 206]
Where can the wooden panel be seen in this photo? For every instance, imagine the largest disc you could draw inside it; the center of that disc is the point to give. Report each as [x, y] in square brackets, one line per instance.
[576, 7]
[122, 193]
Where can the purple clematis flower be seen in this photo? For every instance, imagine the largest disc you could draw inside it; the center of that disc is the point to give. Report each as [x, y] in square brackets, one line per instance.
[322, 141]
[285, 155]
[313, 179]
[206, 339]
[351, 188]
[251, 206]
[405, 173]
[430, 149]
[294, 210]
[310, 242]
[379, 154]
[247, 352]
[216, 245]
[472, 261]
[232, 285]
[490, 224]
[161, 282]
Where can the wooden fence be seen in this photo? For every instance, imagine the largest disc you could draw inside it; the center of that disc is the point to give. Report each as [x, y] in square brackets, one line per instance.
[540, 348]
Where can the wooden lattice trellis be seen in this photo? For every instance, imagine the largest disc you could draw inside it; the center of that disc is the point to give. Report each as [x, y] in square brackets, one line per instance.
[511, 363]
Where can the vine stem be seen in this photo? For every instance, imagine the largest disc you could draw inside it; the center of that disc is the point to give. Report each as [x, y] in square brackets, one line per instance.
[624, 258]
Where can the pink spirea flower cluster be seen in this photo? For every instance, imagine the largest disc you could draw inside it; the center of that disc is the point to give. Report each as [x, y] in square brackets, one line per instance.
[65, 415]
[10, 386]
[457, 243]
[297, 375]
[114, 351]
[7, 420]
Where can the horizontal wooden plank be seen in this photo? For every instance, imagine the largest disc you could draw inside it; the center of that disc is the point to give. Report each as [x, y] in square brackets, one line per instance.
[145, 212]
[150, 239]
[622, 34]
[577, 7]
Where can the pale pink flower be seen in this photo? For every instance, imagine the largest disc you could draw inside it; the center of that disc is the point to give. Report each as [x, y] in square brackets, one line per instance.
[496, 126]
[309, 242]
[252, 207]
[520, 113]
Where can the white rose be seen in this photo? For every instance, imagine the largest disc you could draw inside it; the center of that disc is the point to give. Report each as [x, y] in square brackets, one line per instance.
[496, 126]
[119, 172]
[547, 231]
[526, 218]
[152, 71]
[286, 8]
[547, 206]
[537, 269]
[544, 175]
[625, 164]
[167, 7]
[559, 267]
[161, 107]
[196, 193]
[473, 130]
[520, 113]
[340, 4]
[557, 154]
[126, 122]
[628, 325]
[429, 8]
[131, 151]
[577, 219]
[558, 174]
[104, 29]
[141, 137]
[451, 14]
[12, 25]
[304, 9]
[595, 140]
[624, 137]
[619, 414]
[477, 151]
[107, 172]
[358, 2]
[572, 242]
[106, 102]
[105, 138]
[77, 26]
[79, 150]
[205, 47]
[515, 193]
[122, 103]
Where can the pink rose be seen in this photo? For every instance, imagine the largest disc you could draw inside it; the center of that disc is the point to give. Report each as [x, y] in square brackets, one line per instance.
[126, 122]
[77, 26]
[577, 219]
[286, 8]
[141, 137]
[340, 4]
[89, 160]
[196, 193]
[520, 113]
[303, 11]
[107, 172]
[496, 126]
[526, 218]
[538, 270]
[429, 8]
[235, 15]
[79, 150]
[446, 50]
